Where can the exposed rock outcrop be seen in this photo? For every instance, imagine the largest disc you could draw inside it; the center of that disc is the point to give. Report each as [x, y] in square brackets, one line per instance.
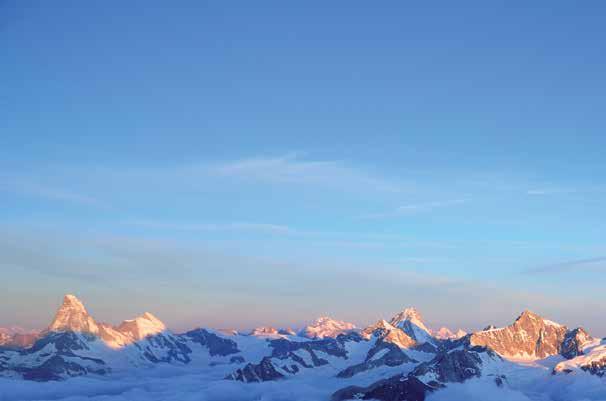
[530, 336]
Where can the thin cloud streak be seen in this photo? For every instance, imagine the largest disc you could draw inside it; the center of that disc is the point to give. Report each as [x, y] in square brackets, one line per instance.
[571, 266]
[48, 192]
[412, 209]
[233, 226]
[549, 191]
[290, 168]
[423, 207]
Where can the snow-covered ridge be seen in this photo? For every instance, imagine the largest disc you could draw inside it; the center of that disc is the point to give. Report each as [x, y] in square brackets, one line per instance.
[592, 359]
[444, 333]
[325, 327]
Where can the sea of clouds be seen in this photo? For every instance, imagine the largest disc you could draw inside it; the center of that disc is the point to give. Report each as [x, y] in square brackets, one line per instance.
[166, 384]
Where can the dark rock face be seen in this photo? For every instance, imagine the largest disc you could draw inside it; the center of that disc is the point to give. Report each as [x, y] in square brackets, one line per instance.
[261, 372]
[65, 343]
[217, 346]
[529, 335]
[394, 356]
[164, 348]
[454, 366]
[236, 359]
[396, 388]
[597, 367]
[387, 350]
[286, 358]
[573, 343]
[349, 337]
[283, 348]
[58, 366]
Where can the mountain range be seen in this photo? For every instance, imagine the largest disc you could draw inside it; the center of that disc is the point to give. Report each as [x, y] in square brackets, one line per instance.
[399, 359]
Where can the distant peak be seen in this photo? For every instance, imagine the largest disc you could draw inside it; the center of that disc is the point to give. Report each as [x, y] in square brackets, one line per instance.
[70, 299]
[141, 327]
[149, 316]
[73, 316]
[444, 333]
[327, 327]
[379, 326]
[411, 321]
[410, 314]
[264, 331]
[529, 315]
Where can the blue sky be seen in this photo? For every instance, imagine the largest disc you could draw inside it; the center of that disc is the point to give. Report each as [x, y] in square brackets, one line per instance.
[245, 163]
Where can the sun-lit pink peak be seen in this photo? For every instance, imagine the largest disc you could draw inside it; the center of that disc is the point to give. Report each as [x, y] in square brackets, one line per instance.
[408, 314]
[412, 315]
[141, 327]
[264, 331]
[73, 316]
[327, 327]
[444, 333]
[411, 321]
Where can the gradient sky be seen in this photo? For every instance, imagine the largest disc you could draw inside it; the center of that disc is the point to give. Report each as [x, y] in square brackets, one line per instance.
[245, 163]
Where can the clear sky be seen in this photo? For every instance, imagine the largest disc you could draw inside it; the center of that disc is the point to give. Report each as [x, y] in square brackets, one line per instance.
[229, 164]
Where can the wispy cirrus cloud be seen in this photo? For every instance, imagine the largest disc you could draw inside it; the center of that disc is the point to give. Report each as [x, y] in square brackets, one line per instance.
[550, 191]
[590, 264]
[231, 226]
[416, 208]
[30, 187]
[291, 168]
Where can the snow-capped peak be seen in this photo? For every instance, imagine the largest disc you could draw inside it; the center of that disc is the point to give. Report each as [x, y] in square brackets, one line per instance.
[411, 321]
[326, 327]
[444, 333]
[381, 325]
[73, 316]
[141, 327]
[264, 331]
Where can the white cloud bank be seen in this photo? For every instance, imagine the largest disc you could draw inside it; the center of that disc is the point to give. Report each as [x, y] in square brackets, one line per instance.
[173, 384]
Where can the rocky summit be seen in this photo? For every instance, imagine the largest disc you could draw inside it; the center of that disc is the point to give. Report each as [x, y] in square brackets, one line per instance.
[529, 337]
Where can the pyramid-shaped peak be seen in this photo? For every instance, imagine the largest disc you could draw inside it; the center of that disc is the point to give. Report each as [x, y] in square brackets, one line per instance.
[150, 317]
[411, 321]
[73, 301]
[141, 327]
[380, 326]
[527, 313]
[411, 314]
[73, 316]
